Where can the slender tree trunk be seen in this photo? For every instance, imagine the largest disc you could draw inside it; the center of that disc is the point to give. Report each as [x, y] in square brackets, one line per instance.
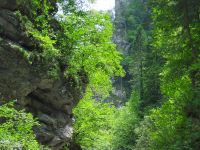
[190, 38]
[141, 80]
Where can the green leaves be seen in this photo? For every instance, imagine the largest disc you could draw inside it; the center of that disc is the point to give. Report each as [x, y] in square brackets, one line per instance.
[93, 123]
[126, 120]
[16, 129]
[93, 51]
[90, 38]
[167, 126]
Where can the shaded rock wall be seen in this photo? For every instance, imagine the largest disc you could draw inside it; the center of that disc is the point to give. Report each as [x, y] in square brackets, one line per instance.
[51, 101]
[120, 93]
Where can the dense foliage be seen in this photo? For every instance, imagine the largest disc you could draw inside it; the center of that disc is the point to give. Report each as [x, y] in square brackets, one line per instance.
[77, 44]
[93, 125]
[92, 49]
[174, 124]
[161, 58]
[126, 120]
[94, 52]
[16, 129]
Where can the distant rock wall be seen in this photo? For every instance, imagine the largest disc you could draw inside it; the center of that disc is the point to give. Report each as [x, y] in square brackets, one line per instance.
[120, 35]
[121, 91]
[50, 100]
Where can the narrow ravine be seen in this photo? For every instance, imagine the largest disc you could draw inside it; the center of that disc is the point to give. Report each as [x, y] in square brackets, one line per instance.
[99, 74]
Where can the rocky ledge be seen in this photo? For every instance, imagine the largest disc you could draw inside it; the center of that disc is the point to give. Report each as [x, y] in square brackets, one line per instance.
[50, 100]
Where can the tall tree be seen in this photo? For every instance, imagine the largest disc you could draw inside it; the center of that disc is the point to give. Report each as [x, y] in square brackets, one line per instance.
[175, 125]
[141, 62]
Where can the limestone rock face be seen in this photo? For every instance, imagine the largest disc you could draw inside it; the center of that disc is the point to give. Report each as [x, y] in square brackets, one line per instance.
[120, 92]
[50, 100]
[120, 33]
[9, 4]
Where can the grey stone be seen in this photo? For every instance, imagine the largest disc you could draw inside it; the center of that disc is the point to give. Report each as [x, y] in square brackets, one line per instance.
[51, 101]
[9, 4]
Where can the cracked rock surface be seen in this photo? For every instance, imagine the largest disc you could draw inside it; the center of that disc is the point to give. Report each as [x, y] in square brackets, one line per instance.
[51, 101]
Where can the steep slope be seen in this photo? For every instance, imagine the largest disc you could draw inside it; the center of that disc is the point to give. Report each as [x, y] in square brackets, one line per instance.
[50, 99]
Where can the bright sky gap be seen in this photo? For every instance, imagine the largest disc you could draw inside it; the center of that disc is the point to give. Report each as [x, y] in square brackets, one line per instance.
[103, 5]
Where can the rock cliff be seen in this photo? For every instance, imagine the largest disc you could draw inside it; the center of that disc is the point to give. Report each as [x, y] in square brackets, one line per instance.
[50, 100]
[120, 91]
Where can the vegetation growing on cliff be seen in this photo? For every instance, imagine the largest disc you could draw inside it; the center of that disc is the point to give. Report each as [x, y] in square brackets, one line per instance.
[16, 129]
[76, 45]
